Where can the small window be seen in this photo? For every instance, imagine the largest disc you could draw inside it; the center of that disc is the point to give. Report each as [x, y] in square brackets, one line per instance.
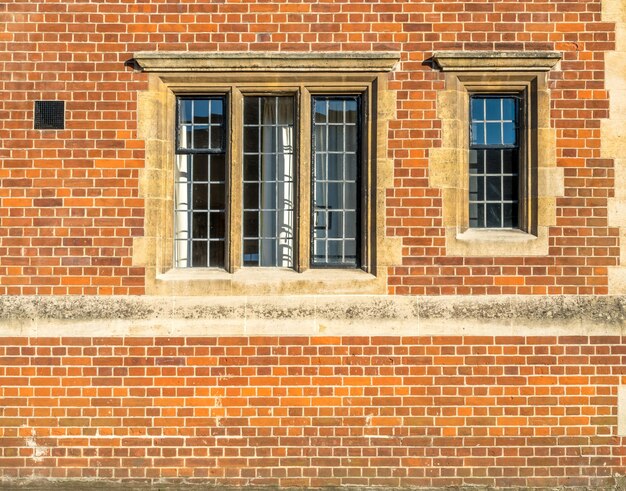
[494, 161]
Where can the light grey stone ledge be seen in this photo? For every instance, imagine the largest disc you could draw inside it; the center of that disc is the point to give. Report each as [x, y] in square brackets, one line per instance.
[314, 315]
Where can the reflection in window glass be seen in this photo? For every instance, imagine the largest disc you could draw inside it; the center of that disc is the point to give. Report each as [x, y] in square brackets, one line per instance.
[335, 210]
[494, 161]
[268, 186]
[200, 183]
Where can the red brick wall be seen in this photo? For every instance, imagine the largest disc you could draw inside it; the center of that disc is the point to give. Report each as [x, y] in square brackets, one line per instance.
[422, 411]
[69, 205]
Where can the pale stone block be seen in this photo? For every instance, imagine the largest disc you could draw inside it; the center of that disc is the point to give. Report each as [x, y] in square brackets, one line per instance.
[143, 250]
[445, 167]
[546, 147]
[545, 210]
[446, 104]
[613, 138]
[616, 71]
[617, 104]
[617, 212]
[617, 280]
[614, 11]
[551, 181]
[453, 201]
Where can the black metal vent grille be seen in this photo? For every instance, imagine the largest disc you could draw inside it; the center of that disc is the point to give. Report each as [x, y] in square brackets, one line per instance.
[49, 115]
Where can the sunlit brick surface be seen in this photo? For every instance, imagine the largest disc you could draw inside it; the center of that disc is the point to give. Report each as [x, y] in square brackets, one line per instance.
[419, 411]
[69, 202]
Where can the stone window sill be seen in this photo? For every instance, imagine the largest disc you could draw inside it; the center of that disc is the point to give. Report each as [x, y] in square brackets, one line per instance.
[267, 281]
[495, 235]
[497, 242]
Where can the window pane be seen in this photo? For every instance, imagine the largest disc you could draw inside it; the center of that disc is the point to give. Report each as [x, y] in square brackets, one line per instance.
[494, 219]
[216, 136]
[351, 114]
[200, 124]
[321, 112]
[476, 215]
[251, 168]
[200, 168]
[477, 164]
[251, 196]
[200, 189]
[185, 114]
[218, 167]
[335, 138]
[217, 225]
[509, 109]
[199, 254]
[508, 134]
[320, 137]
[201, 111]
[200, 196]
[335, 111]
[268, 189]
[478, 134]
[335, 200]
[251, 139]
[217, 112]
[509, 215]
[284, 111]
[509, 188]
[217, 196]
[493, 162]
[493, 136]
[509, 161]
[216, 253]
[473, 188]
[250, 224]
[494, 188]
[350, 137]
[492, 109]
[478, 109]
[351, 166]
[335, 196]
[185, 134]
[200, 226]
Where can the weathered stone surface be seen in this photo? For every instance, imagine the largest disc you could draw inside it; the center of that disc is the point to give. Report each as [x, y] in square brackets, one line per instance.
[307, 314]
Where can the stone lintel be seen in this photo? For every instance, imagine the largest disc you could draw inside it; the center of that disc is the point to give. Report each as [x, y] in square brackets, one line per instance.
[449, 61]
[162, 61]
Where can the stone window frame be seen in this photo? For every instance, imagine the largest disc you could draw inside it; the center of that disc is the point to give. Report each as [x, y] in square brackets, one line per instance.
[172, 74]
[522, 73]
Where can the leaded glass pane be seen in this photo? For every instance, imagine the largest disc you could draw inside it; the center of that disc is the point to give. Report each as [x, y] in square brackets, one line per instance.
[335, 188]
[268, 201]
[200, 184]
[494, 161]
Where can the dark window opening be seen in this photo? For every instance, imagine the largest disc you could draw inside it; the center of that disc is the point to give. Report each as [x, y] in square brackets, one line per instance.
[494, 161]
[335, 189]
[200, 183]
